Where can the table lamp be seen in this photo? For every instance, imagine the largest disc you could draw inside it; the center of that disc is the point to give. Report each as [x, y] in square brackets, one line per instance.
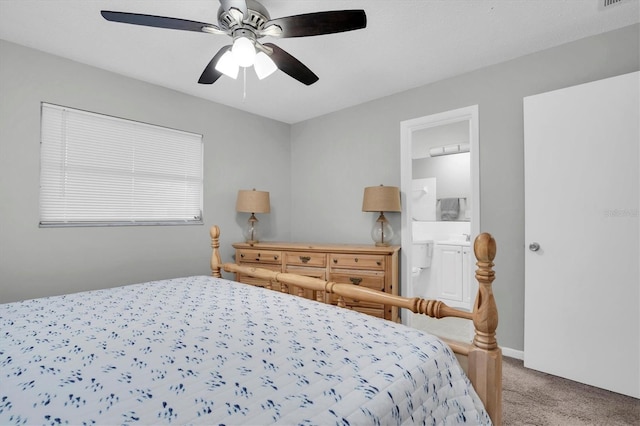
[381, 199]
[252, 201]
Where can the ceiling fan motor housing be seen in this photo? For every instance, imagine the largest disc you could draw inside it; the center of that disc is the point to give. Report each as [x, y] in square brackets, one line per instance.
[232, 19]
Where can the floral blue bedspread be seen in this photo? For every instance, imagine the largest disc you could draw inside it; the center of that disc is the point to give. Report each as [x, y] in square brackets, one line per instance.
[201, 350]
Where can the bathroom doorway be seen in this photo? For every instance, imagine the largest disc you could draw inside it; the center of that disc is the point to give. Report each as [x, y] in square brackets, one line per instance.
[440, 199]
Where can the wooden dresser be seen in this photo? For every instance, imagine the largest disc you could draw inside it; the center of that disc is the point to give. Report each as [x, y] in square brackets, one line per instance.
[364, 265]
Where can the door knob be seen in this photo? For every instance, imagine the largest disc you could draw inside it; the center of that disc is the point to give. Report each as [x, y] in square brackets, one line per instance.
[534, 246]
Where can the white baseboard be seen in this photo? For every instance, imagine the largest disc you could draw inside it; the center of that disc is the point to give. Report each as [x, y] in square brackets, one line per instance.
[513, 353]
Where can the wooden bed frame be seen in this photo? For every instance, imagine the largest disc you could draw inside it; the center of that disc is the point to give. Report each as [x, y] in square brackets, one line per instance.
[481, 359]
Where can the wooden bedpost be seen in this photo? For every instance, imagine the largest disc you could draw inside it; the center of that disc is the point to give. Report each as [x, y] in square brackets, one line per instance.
[216, 262]
[485, 357]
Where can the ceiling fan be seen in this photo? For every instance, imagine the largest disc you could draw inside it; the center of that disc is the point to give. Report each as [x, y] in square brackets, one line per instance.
[247, 21]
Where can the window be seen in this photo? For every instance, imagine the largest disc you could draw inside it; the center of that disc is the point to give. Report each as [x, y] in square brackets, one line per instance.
[100, 170]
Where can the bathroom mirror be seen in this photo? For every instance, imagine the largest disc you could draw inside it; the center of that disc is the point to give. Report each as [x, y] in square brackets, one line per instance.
[439, 161]
[441, 173]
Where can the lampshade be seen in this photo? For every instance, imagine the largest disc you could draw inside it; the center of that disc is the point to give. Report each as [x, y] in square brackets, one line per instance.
[252, 201]
[264, 65]
[381, 199]
[246, 52]
[227, 65]
[243, 51]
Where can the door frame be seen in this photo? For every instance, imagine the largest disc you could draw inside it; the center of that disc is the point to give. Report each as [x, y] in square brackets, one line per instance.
[407, 127]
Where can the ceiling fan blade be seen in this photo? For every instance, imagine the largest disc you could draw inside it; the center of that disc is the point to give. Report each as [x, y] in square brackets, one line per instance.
[319, 23]
[240, 5]
[158, 21]
[210, 73]
[291, 66]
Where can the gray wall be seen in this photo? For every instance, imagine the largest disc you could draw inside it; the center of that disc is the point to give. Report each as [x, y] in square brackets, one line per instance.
[315, 170]
[335, 156]
[37, 262]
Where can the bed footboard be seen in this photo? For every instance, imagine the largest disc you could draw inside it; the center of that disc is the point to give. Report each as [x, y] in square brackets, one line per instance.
[483, 355]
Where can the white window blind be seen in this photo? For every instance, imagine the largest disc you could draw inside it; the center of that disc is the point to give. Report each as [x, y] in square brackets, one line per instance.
[101, 170]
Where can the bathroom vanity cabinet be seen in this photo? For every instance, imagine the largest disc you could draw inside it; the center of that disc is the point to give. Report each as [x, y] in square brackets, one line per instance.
[454, 266]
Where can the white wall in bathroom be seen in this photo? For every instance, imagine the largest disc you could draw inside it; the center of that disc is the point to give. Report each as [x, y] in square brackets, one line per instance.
[424, 199]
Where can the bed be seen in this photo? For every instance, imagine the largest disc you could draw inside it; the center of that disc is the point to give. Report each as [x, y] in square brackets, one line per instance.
[207, 350]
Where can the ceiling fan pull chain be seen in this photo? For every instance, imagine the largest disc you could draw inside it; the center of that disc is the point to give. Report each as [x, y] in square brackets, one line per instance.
[244, 84]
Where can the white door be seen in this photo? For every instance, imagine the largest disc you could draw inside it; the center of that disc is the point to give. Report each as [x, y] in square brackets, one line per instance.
[582, 298]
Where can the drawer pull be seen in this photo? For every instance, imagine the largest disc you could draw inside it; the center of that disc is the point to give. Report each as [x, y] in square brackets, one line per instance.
[378, 263]
[275, 257]
[242, 255]
[305, 259]
[355, 280]
[335, 260]
[356, 260]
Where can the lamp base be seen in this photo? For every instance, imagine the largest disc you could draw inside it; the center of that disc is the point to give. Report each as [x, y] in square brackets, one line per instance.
[382, 233]
[251, 230]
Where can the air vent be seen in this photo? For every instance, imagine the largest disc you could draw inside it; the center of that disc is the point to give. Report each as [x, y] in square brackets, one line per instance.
[607, 3]
[227, 21]
[256, 20]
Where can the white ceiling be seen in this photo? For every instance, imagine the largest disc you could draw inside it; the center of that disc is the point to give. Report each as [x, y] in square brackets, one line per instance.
[407, 43]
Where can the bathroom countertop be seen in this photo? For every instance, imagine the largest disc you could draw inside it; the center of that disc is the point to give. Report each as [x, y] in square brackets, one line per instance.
[454, 243]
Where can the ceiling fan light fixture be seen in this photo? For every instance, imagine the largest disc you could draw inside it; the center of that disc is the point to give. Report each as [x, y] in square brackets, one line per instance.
[244, 51]
[227, 65]
[264, 65]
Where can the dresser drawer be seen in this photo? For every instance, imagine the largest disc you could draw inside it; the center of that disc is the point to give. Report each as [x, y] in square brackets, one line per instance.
[258, 256]
[319, 273]
[372, 281]
[246, 279]
[370, 262]
[299, 258]
[307, 272]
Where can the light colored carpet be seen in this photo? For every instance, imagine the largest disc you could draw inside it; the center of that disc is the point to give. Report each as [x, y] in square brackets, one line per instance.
[534, 398]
